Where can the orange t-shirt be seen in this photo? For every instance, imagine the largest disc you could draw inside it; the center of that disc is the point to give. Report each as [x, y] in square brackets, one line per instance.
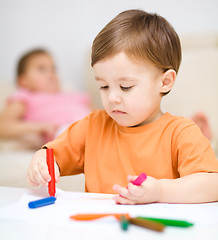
[170, 147]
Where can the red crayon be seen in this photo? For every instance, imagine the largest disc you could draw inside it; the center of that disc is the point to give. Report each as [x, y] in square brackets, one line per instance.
[50, 163]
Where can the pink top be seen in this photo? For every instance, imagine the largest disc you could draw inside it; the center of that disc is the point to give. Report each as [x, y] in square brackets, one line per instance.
[55, 108]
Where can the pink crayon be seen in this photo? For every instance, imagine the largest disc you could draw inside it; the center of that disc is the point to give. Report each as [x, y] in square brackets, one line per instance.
[140, 179]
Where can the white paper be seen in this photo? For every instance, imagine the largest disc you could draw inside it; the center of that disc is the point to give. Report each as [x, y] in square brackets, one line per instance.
[71, 203]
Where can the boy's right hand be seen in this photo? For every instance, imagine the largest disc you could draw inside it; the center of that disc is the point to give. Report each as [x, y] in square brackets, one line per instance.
[37, 173]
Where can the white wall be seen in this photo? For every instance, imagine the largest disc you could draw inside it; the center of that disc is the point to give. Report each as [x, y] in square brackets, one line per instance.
[68, 27]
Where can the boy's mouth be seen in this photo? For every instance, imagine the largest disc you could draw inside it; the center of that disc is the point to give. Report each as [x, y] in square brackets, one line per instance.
[118, 112]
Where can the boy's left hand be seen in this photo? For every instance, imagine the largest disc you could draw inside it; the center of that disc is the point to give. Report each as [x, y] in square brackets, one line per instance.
[149, 191]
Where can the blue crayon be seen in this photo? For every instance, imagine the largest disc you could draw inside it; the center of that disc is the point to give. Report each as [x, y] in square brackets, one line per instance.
[42, 202]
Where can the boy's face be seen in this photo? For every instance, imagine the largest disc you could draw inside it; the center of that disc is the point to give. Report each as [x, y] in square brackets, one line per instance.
[40, 75]
[130, 90]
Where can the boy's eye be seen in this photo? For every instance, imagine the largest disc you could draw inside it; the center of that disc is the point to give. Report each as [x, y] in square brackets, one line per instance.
[103, 87]
[126, 88]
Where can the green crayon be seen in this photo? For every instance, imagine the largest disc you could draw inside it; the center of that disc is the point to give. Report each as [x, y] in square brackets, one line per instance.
[124, 223]
[169, 222]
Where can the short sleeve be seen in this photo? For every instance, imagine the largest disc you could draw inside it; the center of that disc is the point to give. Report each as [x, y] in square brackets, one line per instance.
[69, 148]
[194, 152]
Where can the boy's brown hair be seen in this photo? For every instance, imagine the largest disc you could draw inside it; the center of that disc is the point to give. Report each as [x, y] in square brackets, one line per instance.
[24, 60]
[140, 35]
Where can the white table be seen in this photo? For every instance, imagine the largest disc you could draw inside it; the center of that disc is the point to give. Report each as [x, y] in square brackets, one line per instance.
[17, 221]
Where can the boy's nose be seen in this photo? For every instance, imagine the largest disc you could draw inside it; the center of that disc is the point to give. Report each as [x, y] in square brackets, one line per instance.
[114, 97]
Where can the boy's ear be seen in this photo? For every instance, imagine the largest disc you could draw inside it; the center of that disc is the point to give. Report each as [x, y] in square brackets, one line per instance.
[167, 80]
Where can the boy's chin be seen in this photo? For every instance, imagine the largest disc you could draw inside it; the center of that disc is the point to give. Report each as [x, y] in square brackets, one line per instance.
[125, 123]
[128, 124]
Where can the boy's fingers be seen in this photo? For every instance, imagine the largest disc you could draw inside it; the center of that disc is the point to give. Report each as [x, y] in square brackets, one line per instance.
[121, 190]
[131, 178]
[43, 169]
[132, 192]
[33, 184]
[31, 180]
[38, 177]
[136, 191]
[121, 200]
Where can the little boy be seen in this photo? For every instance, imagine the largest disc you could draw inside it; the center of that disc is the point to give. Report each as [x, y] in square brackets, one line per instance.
[135, 58]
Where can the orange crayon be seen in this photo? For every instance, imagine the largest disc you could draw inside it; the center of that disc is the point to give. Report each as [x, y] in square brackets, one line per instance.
[88, 217]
